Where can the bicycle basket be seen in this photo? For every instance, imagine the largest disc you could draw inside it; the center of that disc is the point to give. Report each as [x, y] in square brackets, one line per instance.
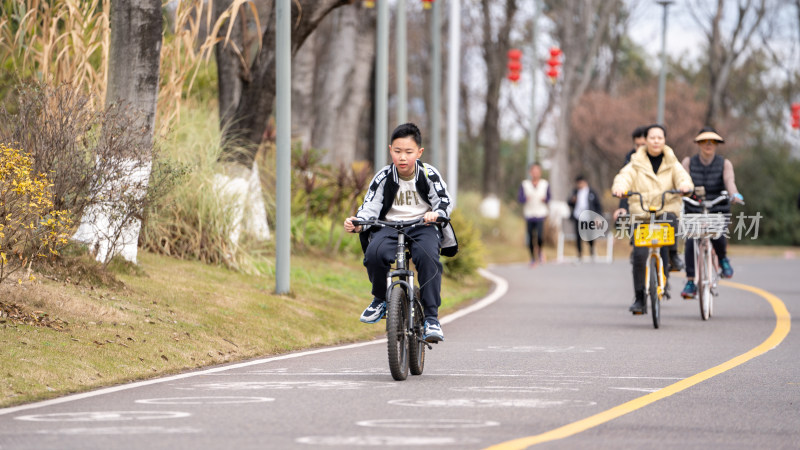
[698, 226]
[654, 235]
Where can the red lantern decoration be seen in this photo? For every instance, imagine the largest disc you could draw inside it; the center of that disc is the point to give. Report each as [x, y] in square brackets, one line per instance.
[514, 64]
[796, 116]
[427, 4]
[554, 62]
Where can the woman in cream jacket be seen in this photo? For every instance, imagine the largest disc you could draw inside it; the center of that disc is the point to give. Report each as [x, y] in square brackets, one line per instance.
[653, 169]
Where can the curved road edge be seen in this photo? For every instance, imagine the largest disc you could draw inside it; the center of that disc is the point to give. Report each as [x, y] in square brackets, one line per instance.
[500, 288]
[783, 322]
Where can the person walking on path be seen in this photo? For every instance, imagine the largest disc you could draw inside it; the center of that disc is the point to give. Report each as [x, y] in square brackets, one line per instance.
[534, 194]
[583, 198]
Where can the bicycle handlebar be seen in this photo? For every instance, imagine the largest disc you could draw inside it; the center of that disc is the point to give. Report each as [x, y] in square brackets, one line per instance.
[711, 203]
[641, 198]
[398, 225]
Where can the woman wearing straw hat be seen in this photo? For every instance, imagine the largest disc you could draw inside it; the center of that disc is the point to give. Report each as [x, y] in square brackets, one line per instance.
[716, 174]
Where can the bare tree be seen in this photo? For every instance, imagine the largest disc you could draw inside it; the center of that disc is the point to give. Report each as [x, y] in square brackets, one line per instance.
[247, 125]
[232, 62]
[580, 29]
[249, 121]
[726, 49]
[497, 26]
[342, 51]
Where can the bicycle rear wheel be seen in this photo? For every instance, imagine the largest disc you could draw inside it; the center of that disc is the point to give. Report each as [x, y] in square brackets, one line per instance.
[655, 304]
[703, 279]
[416, 346]
[396, 322]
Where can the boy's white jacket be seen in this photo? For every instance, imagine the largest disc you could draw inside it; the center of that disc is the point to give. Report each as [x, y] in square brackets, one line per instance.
[383, 189]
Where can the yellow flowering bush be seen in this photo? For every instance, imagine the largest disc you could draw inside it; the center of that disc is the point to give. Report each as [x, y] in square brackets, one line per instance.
[30, 228]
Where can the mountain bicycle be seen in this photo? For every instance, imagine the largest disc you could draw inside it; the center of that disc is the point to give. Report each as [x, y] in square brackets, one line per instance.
[654, 235]
[702, 228]
[404, 312]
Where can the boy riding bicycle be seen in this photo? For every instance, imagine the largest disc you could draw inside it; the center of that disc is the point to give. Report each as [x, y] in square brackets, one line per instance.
[407, 189]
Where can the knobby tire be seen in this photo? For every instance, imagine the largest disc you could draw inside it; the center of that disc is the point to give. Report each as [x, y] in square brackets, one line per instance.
[396, 322]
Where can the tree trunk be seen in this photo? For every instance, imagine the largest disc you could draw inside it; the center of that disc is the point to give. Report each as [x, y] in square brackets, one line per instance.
[345, 47]
[134, 59]
[230, 64]
[724, 51]
[581, 28]
[249, 121]
[495, 48]
[247, 126]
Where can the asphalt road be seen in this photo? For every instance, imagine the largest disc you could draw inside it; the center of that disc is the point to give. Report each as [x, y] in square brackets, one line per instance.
[555, 349]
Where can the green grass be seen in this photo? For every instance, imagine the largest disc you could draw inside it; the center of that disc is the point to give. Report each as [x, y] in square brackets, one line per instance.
[169, 316]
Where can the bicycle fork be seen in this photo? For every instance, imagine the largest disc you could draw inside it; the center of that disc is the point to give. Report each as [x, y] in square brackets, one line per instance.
[662, 278]
[405, 278]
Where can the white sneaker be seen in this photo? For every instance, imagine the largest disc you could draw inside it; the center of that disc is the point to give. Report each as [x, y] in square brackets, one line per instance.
[433, 331]
[374, 312]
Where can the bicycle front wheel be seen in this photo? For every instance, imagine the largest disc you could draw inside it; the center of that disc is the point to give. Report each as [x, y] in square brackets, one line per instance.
[416, 345]
[396, 326]
[655, 304]
[703, 279]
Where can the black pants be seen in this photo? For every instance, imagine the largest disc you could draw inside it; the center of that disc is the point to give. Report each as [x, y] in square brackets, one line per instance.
[425, 243]
[537, 226]
[578, 237]
[720, 247]
[639, 257]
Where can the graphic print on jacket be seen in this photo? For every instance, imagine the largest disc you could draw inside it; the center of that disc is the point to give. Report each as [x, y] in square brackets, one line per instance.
[407, 203]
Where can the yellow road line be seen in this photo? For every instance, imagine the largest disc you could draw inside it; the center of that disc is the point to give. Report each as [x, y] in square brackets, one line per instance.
[782, 327]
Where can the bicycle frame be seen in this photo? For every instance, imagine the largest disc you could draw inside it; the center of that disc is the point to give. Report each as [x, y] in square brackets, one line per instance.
[654, 253]
[654, 259]
[706, 265]
[405, 278]
[404, 327]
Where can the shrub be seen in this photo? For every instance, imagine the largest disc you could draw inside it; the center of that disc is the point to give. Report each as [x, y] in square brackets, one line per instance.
[30, 227]
[470, 249]
[97, 161]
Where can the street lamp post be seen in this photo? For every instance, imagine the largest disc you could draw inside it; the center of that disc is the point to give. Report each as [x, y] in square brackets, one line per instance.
[436, 85]
[453, 75]
[283, 164]
[532, 143]
[381, 84]
[662, 78]
[400, 67]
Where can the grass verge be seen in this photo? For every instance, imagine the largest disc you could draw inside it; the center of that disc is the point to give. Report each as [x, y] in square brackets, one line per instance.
[166, 316]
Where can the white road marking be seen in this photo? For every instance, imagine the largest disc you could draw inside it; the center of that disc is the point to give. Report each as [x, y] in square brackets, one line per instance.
[514, 389]
[435, 424]
[637, 389]
[104, 416]
[285, 385]
[491, 403]
[382, 441]
[538, 349]
[101, 431]
[501, 287]
[204, 400]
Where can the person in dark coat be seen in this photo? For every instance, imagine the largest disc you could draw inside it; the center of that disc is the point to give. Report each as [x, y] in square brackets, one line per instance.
[583, 198]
